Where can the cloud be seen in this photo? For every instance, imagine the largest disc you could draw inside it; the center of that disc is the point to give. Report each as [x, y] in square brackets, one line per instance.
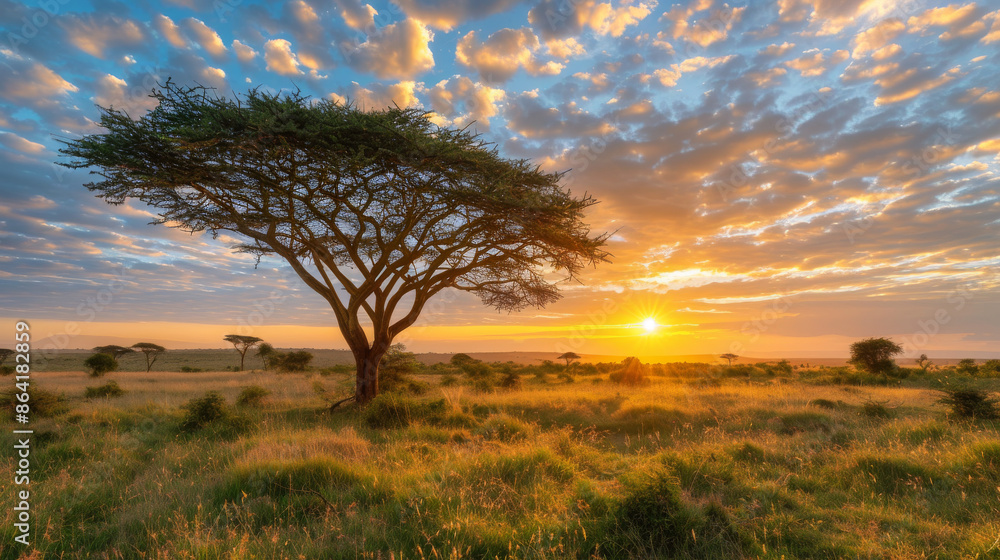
[703, 31]
[357, 15]
[379, 96]
[244, 53]
[816, 64]
[498, 58]
[170, 31]
[32, 82]
[112, 91]
[280, 58]
[557, 19]
[400, 50]
[207, 38]
[876, 37]
[669, 76]
[100, 35]
[447, 15]
[459, 102]
[777, 50]
[15, 142]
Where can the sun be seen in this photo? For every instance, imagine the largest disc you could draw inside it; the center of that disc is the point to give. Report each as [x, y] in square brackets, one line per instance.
[649, 324]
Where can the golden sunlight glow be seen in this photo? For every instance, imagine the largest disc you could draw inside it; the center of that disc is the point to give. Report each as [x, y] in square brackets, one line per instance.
[649, 324]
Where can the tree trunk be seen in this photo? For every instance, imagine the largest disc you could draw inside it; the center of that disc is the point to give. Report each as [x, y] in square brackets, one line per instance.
[366, 385]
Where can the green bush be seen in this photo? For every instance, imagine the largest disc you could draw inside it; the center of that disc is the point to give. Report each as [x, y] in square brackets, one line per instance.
[253, 395]
[632, 372]
[973, 404]
[40, 402]
[6, 370]
[510, 380]
[990, 368]
[189, 369]
[449, 380]
[109, 389]
[390, 410]
[297, 361]
[100, 364]
[967, 366]
[203, 411]
[873, 409]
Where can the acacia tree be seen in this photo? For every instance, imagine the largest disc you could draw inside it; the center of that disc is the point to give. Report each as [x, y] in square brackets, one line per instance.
[729, 357]
[570, 357]
[151, 351]
[874, 355]
[114, 351]
[242, 344]
[376, 211]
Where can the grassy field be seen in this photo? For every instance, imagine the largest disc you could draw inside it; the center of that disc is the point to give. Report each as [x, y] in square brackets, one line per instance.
[692, 467]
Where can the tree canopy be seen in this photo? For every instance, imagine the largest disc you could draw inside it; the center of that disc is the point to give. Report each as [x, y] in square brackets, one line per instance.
[242, 343]
[114, 350]
[151, 352]
[376, 211]
[874, 355]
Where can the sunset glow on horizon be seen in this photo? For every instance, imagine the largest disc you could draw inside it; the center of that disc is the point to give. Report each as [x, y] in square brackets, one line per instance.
[777, 179]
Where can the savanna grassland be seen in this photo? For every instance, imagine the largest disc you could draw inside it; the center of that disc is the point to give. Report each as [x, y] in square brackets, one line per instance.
[693, 464]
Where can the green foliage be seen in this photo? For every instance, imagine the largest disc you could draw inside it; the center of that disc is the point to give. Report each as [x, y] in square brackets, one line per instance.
[510, 380]
[874, 355]
[100, 364]
[390, 410]
[297, 361]
[42, 402]
[631, 372]
[449, 380]
[253, 395]
[971, 404]
[502, 427]
[189, 369]
[967, 366]
[990, 368]
[6, 370]
[109, 389]
[459, 360]
[266, 353]
[396, 370]
[874, 409]
[203, 411]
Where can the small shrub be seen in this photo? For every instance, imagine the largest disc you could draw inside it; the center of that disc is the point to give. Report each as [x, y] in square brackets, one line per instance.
[874, 409]
[6, 370]
[41, 402]
[109, 389]
[253, 395]
[974, 404]
[504, 428]
[203, 411]
[291, 361]
[967, 366]
[510, 380]
[189, 369]
[100, 364]
[390, 410]
[566, 377]
[823, 403]
[632, 372]
[449, 380]
[990, 368]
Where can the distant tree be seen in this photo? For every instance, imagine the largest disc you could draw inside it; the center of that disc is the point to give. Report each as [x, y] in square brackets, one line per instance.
[266, 353]
[874, 355]
[462, 359]
[152, 352]
[114, 350]
[376, 211]
[242, 344]
[729, 357]
[569, 357]
[292, 361]
[100, 364]
[967, 366]
[923, 362]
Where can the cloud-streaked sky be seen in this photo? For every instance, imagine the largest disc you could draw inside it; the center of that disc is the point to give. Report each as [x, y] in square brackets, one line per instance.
[782, 178]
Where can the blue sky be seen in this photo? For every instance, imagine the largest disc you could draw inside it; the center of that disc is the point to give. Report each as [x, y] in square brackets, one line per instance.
[783, 177]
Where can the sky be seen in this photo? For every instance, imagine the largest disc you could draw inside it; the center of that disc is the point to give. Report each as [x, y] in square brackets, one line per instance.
[781, 178]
